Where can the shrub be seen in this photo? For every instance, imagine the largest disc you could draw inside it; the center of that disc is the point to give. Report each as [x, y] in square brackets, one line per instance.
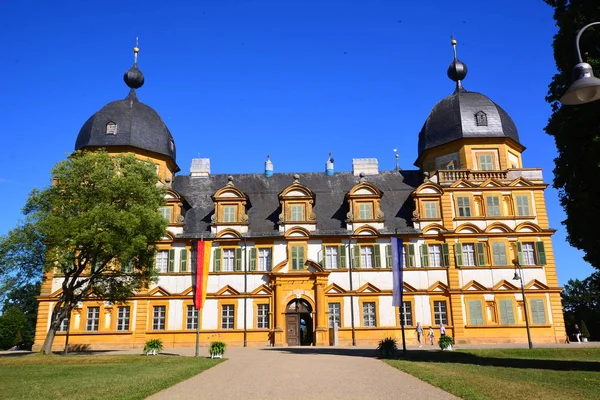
[387, 347]
[153, 346]
[445, 341]
[217, 348]
[12, 324]
[584, 330]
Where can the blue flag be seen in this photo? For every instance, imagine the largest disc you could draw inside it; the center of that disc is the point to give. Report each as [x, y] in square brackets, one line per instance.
[397, 272]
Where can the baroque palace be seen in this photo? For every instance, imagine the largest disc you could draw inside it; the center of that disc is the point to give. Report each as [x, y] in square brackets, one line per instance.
[305, 259]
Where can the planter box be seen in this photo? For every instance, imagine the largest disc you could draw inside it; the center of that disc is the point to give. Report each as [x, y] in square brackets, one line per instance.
[449, 348]
[216, 356]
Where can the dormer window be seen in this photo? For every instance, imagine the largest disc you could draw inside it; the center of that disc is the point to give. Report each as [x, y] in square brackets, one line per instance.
[365, 210]
[230, 209]
[364, 203]
[111, 128]
[481, 118]
[297, 212]
[229, 212]
[297, 203]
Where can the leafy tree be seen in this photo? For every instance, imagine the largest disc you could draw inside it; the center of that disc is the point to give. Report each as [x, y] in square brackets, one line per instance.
[576, 129]
[581, 302]
[100, 213]
[12, 324]
[22, 298]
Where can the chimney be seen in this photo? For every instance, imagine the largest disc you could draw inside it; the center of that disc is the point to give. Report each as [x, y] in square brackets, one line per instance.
[268, 167]
[200, 167]
[368, 166]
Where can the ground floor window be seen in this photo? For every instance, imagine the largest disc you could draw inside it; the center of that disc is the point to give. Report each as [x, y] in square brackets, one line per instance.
[192, 318]
[93, 318]
[406, 317]
[262, 316]
[158, 320]
[369, 314]
[227, 316]
[334, 314]
[123, 319]
[440, 315]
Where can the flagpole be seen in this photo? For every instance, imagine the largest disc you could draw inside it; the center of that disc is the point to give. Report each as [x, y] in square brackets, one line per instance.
[402, 325]
[198, 309]
[351, 296]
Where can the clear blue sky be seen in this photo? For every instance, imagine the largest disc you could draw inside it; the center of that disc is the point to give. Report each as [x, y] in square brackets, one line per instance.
[236, 80]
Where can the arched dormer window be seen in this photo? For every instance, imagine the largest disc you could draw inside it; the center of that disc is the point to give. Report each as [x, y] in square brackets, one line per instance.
[297, 203]
[364, 200]
[230, 207]
[111, 128]
[481, 118]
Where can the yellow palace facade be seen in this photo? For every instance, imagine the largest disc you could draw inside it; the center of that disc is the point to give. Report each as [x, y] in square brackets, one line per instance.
[305, 259]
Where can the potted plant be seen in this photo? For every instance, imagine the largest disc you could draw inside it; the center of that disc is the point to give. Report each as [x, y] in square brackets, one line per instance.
[585, 334]
[446, 342]
[217, 349]
[387, 347]
[153, 347]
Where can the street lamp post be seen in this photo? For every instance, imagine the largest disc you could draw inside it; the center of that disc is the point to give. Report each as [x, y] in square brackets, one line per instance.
[519, 276]
[586, 87]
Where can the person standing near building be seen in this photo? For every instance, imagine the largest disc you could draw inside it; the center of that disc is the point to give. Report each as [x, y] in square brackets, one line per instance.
[442, 330]
[577, 333]
[431, 335]
[420, 334]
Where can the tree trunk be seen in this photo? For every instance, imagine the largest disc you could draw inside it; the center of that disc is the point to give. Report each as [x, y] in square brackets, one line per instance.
[58, 314]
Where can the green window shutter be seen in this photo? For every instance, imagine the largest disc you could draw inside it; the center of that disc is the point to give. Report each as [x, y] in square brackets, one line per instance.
[480, 253]
[445, 255]
[388, 255]
[324, 255]
[475, 312]
[183, 260]
[171, 265]
[411, 255]
[238, 259]
[458, 254]
[342, 256]
[499, 253]
[424, 256]
[377, 253]
[217, 260]
[253, 259]
[507, 315]
[520, 252]
[537, 311]
[356, 257]
[541, 253]
[301, 257]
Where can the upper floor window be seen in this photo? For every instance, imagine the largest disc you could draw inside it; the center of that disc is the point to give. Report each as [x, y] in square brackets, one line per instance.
[366, 256]
[111, 128]
[435, 255]
[528, 250]
[297, 212]
[468, 250]
[228, 260]
[464, 206]
[264, 259]
[166, 213]
[523, 205]
[481, 118]
[486, 162]
[431, 209]
[162, 261]
[365, 211]
[331, 256]
[499, 253]
[297, 257]
[493, 206]
[229, 213]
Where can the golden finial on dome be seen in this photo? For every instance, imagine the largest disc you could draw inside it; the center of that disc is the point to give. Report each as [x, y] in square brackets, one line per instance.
[136, 50]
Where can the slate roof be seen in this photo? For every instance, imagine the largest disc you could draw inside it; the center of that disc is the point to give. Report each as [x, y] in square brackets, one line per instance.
[137, 126]
[330, 206]
[453, 118]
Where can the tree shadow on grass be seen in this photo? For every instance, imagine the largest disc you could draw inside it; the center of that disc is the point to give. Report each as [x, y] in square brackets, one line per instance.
[458, 357]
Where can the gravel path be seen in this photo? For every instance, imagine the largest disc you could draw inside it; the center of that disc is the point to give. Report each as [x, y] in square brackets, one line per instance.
[291, 373]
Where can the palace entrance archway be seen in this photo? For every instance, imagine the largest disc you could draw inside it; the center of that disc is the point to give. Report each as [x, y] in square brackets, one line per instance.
[299, 323]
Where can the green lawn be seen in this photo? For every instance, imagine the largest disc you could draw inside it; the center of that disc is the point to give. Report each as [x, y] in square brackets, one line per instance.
[94, 377]
[508, 373]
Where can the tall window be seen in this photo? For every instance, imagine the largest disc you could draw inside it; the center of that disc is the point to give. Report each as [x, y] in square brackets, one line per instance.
[493, 206]
[369, 314]
[538, 313]
[227, 316]
[499, 252]
[331, 256]
[523, 206]
[440, 315]
[475, 312]
[486, 162]
[162, 261]
[528, 253]
[366, 256]
[464, 206]
[468, 250]
[263, 316]
[93, 318]
[507, 315]
[228, 260]
[123, 319]
[64, 325]
[297, 257]
[158, 318]
[192, 318]
[297, 212]
[166, 213]
[431, 210]
[264, 259]
[435, 256]
[406, 316]
[365, 211]
[334, 314]
[228, 213]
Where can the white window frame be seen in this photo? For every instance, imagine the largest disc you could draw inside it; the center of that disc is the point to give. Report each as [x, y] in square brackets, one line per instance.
[435, 255]
[93, 319]
[366, 256]
[228, 260]
[369, 314]
[227, 316]
[123, 318]
[468, 250]
[335, 314]
[264, 259]
[528, 251]
[262, 316]
[440, 312]
[162, 261]
[331, 256]
[158, 318]
[406, 314]
[191, 319]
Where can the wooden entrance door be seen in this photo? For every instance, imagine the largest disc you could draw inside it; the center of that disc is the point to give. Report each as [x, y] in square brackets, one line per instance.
[292, 328]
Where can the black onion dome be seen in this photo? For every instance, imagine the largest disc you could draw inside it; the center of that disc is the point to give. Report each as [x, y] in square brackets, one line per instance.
[137, 125]
[455, 117]
[134, 77]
